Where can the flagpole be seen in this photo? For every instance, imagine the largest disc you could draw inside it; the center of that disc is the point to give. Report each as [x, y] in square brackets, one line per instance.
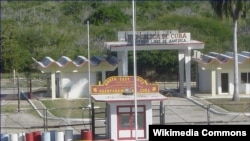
[135, 72]
[88, 64]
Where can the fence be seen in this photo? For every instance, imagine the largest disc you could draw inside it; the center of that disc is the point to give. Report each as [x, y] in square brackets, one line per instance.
[79, 118]
[24, 82]
[29, 119]
[195, 114]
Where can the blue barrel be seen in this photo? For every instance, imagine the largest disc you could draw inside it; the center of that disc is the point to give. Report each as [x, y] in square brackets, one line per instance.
[52, 135]
[68, 136]
[46, 136]
[4, 137]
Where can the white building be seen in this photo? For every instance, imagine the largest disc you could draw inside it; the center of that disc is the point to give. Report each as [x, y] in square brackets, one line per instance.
[70, 78]
[216, 72]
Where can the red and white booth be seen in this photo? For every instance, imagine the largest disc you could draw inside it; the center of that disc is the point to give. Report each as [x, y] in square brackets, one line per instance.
[123, 103]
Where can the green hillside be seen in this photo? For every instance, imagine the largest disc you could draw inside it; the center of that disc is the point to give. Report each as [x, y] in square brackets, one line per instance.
[56, 28]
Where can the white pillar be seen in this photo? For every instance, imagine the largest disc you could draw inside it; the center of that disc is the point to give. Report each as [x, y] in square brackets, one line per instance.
[49, 85]
[213, 82]
[103, 76]
[181, 71]
[188, 71]
[123, 65]
[53, 85]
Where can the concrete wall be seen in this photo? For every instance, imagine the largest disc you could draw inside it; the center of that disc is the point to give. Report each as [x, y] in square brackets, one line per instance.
[204, 80]
[75, 85]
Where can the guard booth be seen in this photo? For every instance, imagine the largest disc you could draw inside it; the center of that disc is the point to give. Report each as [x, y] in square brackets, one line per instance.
[122, 102]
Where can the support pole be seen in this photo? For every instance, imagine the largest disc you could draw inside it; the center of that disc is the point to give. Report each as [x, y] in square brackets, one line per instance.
[30, 93]
[208, 114]
[181, 71]
[188, 71]
[93, 120]
[18, 94]
[162, 113]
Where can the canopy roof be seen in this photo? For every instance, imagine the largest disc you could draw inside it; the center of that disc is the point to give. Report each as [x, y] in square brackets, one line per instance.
[119, 46]
[218, 58]
[80, 63]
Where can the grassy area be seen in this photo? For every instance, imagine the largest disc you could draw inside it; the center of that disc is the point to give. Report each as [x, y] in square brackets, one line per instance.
[12, 107]
[75, 108]
[226, 103]
[9, 108]
[71, 108]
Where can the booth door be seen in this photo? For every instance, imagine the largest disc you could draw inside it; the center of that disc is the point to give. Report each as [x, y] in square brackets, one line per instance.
[126, 122]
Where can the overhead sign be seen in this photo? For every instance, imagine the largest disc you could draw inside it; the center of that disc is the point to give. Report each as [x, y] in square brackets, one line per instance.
[154, 37]
[118, 85]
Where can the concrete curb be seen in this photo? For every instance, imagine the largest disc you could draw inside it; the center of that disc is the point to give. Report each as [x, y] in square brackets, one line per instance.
[216, 110]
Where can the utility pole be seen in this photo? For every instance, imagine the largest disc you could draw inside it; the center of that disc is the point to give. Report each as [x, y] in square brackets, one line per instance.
[18, 94]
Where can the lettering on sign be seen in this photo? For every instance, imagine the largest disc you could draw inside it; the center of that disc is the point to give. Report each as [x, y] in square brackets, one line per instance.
[118, 84]
[155, 37]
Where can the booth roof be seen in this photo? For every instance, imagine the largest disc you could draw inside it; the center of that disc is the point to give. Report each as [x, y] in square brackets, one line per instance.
[123, 98]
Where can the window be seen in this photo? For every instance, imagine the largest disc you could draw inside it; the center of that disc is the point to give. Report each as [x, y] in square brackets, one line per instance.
[124, 121]
[126, 117]
[140, 120]
[245, 77]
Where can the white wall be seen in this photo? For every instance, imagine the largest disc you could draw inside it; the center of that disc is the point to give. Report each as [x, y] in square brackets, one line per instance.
[247, 88]
[75, 85]
[204, 80]
[231, 81]
[244, 87]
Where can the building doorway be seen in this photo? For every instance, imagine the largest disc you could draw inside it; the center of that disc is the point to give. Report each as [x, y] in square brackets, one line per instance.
[58, 76]
[224, 83]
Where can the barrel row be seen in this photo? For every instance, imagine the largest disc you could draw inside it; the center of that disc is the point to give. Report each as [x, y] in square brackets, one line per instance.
[67, 135]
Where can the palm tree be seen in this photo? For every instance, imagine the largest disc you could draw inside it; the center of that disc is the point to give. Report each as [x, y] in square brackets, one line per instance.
[235, 9]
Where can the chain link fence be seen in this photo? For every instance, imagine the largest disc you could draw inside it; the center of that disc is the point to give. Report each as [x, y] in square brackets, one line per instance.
[196, 114]
[78, 118]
